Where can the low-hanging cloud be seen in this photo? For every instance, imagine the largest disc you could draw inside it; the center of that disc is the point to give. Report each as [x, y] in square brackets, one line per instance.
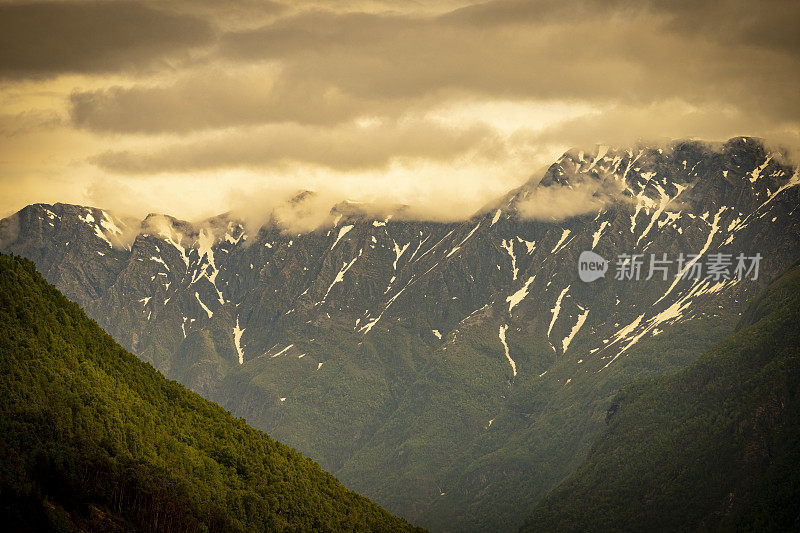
[559, 202]
[304, 211]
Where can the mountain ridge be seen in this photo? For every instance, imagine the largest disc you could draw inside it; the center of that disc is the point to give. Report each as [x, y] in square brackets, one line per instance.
[360, 342]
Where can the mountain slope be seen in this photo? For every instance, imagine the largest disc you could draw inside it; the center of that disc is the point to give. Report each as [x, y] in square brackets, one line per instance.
[715, 446]
[92, 438]
[454, 373]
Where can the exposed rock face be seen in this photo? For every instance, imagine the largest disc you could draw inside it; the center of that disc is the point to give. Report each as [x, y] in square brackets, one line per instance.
[451, 372]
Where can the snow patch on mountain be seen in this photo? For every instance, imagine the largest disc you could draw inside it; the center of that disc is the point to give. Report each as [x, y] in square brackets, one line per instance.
[568, 339]
[520, 295]
[556, 309]
[282, 351]
[557, 248]
[208, 311]
[714, 229]
[458, 247]
[530, 246]
[502, 335]
[598, 233]
[756, 173]
[344, 230]
[398, 251]
[496, 217]
[508, 245]
[340, 275]
[237, 340]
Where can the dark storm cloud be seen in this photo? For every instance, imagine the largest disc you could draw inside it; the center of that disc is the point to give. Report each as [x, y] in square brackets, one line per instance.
[766, 23]
[531, 49]
[769, 24]
[335, 66]
[55, 37]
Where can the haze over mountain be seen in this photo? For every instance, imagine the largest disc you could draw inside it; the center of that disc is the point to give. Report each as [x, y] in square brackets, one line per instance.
[452, 372]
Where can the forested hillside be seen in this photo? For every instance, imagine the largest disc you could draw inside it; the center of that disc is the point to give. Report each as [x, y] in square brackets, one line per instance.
[92, 438]
[715, 446]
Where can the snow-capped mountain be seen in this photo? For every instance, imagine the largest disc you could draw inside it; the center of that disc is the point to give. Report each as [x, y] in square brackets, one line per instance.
[451, 372]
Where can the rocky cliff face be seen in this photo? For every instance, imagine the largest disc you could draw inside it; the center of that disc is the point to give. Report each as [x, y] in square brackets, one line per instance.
[451, 372]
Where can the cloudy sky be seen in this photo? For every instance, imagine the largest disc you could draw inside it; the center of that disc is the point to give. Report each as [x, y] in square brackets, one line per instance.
[195, 107]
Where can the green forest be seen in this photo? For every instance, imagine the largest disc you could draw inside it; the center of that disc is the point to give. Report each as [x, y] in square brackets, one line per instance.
[715, 446]
[92, 438]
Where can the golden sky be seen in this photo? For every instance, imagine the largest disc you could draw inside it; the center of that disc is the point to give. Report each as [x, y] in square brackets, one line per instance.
[192, 108]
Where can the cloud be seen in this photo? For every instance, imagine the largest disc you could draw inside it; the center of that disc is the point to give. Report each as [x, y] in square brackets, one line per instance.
[556, 202]
[47, 38]
[13, 125]
[439, 104]
[324, 66]
[349, 147]
[516, 12]
[772, 25]
[579, 50]
[295, 212]
[229, 14]
[395, 56]
[626, 125]
[216, 97]
[441, 191]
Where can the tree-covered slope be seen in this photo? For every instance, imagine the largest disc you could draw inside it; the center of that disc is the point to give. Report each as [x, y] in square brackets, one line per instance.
[714, 446]
[92, 438]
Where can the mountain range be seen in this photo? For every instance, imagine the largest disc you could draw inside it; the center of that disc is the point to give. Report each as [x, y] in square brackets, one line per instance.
[456, 372]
